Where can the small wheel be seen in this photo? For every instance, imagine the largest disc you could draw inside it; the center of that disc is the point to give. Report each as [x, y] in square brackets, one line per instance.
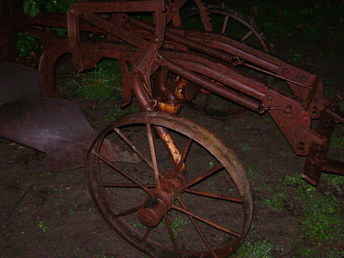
[191, 199]
[230, 23]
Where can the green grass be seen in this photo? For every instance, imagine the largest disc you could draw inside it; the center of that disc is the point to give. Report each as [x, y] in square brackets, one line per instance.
[277, 201]
[306, 252]
[101, 83]
[259, 249]
[334, 180]
[335, 254]
[322, 218]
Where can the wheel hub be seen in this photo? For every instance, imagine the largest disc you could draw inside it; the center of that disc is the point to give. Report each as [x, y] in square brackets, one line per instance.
[157, 206]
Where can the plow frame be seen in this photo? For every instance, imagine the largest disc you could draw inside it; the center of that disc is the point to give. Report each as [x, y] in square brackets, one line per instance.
[203, 58]
[164, 65]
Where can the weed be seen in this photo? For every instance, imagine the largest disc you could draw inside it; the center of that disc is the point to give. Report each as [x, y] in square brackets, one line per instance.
[333, 179]
[245, 147]
[42, 226]
[251, 172]
[260, 249]
[138, 225]
[211, 164]
[34, 7]
[322, 218]
[335, 254]
[337, 142]
[177, 224]
[293, 181]
[305, 253]
[277, 201]
[27, 44]
[100, 83]
[60, 32]
[31, 7]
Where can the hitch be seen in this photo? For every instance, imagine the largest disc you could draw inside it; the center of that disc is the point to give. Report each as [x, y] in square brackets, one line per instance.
[317, 160]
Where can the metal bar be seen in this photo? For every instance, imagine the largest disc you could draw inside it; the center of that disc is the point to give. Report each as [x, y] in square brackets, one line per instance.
[115, 30]
[152, 149]
[120, 6]
[225, 92]
[334, 166]
[230, 78]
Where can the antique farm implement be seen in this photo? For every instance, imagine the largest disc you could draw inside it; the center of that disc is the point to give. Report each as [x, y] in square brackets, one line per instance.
[164, 65]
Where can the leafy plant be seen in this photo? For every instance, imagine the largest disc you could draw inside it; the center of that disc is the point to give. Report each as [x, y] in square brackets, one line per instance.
[34, 7]
[60, 32]
[177, 224]
[31, 7]
[101, 83]
[42, 226]
[27, 44]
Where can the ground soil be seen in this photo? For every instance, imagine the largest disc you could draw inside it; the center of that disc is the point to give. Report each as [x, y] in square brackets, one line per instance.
[48, 214]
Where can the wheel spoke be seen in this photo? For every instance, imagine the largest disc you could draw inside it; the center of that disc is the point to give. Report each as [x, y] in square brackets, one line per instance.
[206, 221]
[133, 147]
[184, 155]
[129, 211]
[203, 177]
[215, 196]
[246, 36]
[153, 154]
[196, 226]
[109, 163]
[170, 144]
[146, 234]
[182, 229]
[117, 185]
[225, 24]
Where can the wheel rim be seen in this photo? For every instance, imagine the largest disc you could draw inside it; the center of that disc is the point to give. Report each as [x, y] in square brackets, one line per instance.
[234, 25]
[171, 220]
[247, 29]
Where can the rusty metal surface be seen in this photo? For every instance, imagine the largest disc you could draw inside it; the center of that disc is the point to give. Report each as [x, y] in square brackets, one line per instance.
[54, 126]
[160, 199]
[155, 57]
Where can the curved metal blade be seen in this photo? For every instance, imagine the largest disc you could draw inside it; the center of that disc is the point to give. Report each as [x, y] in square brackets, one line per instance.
[54, 126]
